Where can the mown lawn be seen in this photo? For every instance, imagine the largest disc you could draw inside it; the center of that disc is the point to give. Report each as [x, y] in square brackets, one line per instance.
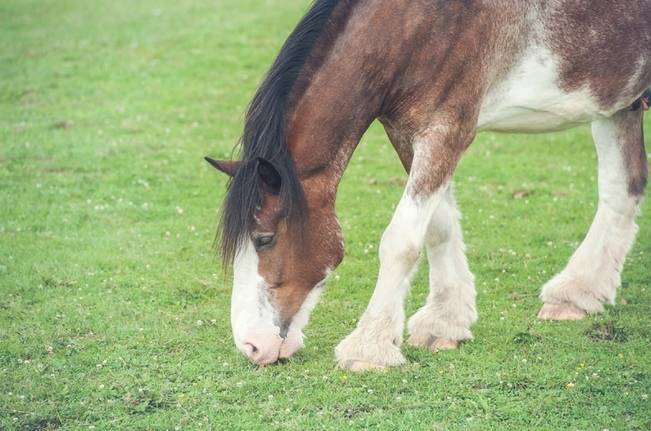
[114, 308]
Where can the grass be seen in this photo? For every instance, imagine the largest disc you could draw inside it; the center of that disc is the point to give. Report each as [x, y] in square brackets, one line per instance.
[113, 308]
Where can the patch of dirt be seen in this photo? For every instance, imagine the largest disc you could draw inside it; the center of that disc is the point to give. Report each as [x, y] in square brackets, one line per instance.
[53, 283]
[606, 331]
[145, 401]
[521, 193]
[525, 338]
[42, 424]
[65, 124]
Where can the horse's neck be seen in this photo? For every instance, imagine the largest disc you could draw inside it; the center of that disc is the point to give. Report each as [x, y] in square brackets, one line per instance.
[327, 123]
[336, 104]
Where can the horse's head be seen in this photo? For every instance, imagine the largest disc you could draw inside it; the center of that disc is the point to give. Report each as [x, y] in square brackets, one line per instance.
[279, 262]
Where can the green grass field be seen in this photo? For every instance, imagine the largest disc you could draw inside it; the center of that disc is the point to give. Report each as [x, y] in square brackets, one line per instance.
[114, 310]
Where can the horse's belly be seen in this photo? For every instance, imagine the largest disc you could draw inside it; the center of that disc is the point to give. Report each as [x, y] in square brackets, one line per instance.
[532, 119]
[529, 99]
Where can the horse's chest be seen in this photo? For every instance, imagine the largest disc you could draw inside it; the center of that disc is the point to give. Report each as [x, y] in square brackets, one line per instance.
[529, 99]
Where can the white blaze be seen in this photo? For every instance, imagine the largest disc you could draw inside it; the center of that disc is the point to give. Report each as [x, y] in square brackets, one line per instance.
[250, 306]
[251, 310]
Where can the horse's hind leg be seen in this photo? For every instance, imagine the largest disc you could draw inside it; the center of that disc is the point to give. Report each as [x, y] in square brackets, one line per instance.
[592, 275]
[450, 309]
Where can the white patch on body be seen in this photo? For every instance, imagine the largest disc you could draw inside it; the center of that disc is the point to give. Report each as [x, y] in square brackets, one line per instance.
[529, 99]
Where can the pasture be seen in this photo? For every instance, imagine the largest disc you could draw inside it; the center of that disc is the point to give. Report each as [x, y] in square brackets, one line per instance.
[114, 309]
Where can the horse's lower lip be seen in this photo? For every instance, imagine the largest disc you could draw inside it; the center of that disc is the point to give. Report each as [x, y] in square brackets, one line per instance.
[269, 362]
[265, 360]
[290, 345]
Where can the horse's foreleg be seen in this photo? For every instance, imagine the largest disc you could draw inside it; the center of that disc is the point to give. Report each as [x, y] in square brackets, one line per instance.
[375, 343]
[450, 309]
[592, 275]
[376, 340]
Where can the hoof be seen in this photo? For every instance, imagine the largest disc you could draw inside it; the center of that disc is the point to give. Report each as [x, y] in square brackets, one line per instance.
[361, 366]
[365, 349]
[563, 311]
[433, 343]
[420, 340]
[443, 344]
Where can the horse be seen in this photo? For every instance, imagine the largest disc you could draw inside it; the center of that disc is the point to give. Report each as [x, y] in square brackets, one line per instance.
[434, 73]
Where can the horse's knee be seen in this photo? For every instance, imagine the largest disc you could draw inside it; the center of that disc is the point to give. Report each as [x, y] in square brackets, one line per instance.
[444, 222]
[441, 225]
[397, 248]
[408, 254]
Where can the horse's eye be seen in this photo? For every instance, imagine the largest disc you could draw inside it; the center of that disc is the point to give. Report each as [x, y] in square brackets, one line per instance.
[262, 241]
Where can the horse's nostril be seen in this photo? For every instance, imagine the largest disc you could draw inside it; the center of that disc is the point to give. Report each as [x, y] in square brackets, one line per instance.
[252, 349]
[262, 349]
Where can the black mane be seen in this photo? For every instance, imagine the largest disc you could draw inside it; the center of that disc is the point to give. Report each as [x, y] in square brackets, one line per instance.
[265, 136]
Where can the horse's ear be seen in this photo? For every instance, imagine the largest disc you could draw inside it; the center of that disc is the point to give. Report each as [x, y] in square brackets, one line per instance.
[269, 176]
[229, 167]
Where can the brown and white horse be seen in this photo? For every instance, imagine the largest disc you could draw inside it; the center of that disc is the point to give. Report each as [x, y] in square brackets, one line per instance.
[434, 72]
